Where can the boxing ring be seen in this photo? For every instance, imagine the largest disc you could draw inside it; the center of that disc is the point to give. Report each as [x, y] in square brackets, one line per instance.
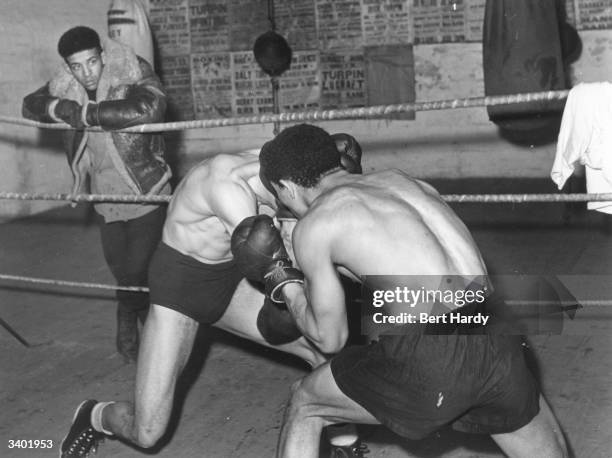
[62, 320]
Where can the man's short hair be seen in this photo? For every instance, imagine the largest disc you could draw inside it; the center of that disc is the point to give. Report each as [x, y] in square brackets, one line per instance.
[300, 154]
[78, 39]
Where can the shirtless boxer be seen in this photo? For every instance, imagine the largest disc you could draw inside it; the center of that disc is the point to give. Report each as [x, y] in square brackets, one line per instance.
[384, 223]
[193, 279]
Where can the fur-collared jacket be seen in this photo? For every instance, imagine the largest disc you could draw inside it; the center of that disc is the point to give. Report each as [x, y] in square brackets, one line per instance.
[129, 93]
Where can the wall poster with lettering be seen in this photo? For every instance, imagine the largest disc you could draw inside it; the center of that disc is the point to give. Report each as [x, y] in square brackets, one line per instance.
[386, 21]
[296, 21]
[300, 86]
[252, 93]
[343, 79]
[339, 24]
[208, 25]
[247, 20]
[212, 85]
[175, 72]
[170, 26]
[593, 14]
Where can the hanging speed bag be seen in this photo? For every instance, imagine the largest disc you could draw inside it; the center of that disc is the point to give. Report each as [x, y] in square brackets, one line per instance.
[272, 53]
[522, 53]
[128, 24]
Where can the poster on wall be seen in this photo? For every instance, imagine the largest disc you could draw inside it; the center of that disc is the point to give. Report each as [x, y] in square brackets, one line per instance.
[175, 74]
[295, 20]
[170, 26]
[252, 91]
[593, 14]
[386, 22]
[247, 20]
[211, 76]
[453, 18]
[343, 80]
[208, 26]
[474, 17]
[438, 21]
[339, 24]
[300, 86]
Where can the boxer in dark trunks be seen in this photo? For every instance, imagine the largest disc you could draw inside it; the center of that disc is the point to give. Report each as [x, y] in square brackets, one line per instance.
[386, 224]
[193, 279]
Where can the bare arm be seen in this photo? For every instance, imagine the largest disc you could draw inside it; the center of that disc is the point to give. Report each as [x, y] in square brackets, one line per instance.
[318, 307]
[231, 203]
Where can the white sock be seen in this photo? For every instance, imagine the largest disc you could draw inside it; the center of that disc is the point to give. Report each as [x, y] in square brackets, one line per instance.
[96, 417]
[342, 434]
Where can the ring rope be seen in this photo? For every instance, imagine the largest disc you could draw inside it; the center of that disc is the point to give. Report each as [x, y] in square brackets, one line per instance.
[459, 198]
[523, 198]
[75, 284]
[122, 198]
[318, 115]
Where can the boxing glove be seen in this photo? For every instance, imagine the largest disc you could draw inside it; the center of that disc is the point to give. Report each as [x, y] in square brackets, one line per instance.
[261, 256]
[276, 324]
[70, 112]
[350, 152]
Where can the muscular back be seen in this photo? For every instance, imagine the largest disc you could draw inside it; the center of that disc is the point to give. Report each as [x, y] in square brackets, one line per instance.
[386, 223]
[207, 205]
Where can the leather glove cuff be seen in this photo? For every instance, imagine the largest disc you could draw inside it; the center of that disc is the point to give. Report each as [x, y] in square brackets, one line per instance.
[90, 115]
[51, 109]
[279, 277]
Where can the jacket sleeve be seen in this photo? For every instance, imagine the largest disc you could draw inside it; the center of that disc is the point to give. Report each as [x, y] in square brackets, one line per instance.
[143, 102]
[35, 105]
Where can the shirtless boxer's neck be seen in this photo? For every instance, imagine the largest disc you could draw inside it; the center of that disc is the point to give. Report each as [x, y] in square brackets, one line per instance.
[249, 172]
[302, 198]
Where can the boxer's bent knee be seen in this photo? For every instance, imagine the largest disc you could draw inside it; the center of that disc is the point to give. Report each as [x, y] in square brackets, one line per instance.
[119, 418]
[276, 324]
[147, 435]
